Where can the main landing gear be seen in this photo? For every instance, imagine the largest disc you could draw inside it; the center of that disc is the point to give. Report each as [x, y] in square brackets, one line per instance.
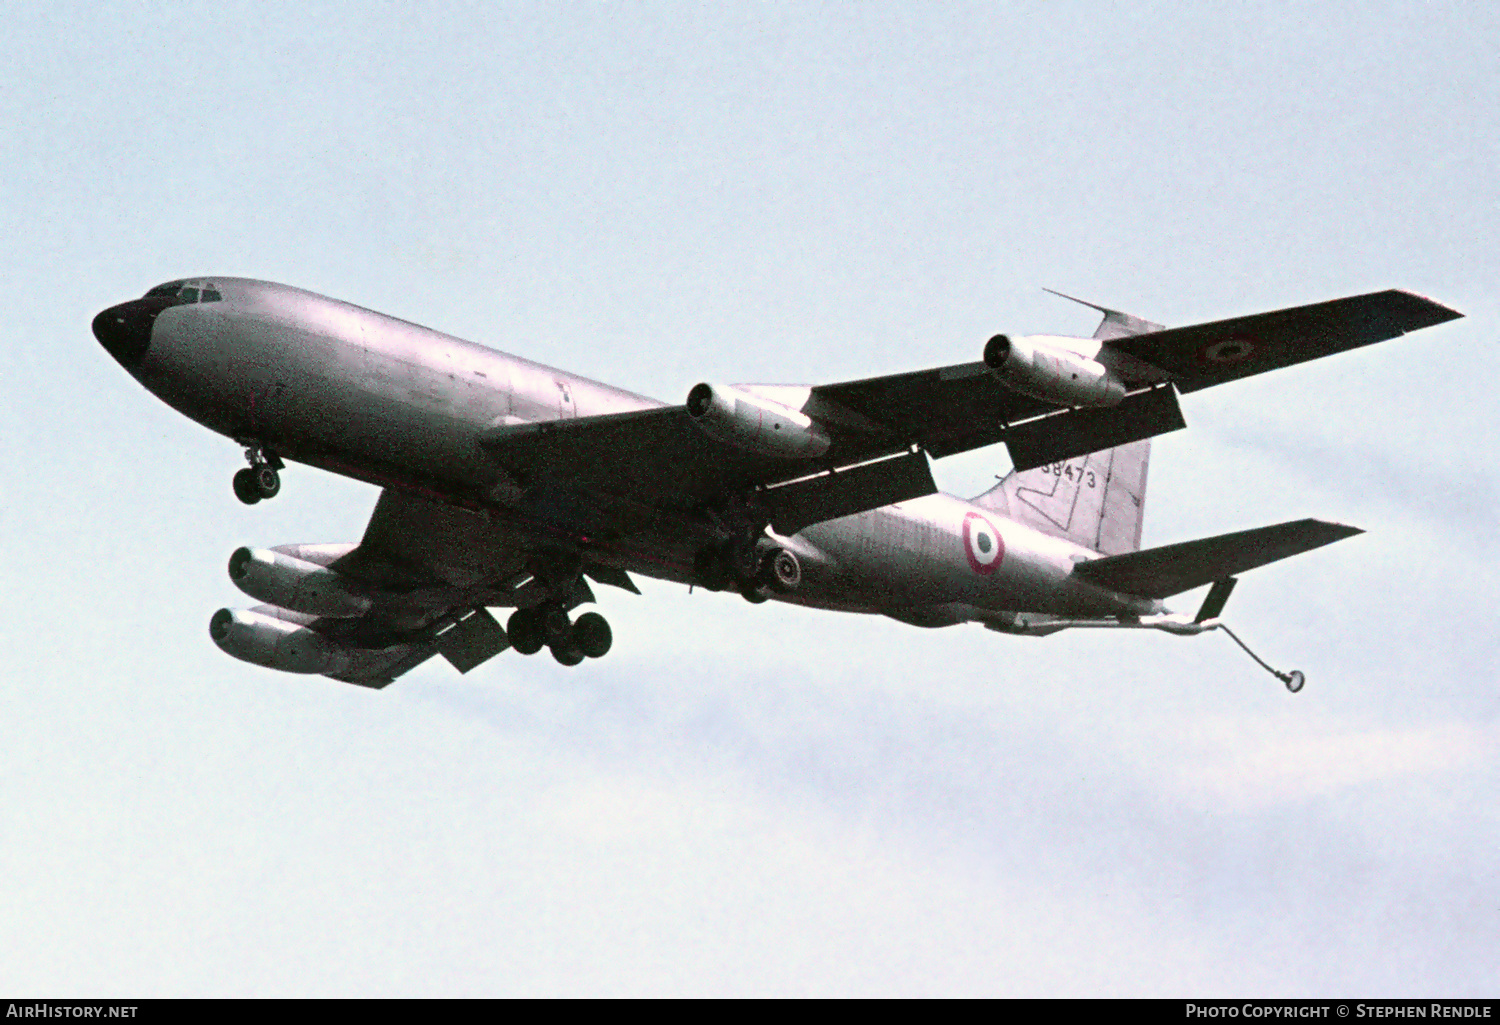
[570, 641]
[261, 479]
[754, 568]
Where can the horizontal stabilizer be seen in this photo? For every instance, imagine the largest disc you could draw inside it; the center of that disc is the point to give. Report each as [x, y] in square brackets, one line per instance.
[1172, 569]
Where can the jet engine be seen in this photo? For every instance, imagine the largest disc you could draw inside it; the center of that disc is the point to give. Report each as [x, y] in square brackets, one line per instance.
[1044, 369]
[275, 643]
[747, 421]
[291, 583]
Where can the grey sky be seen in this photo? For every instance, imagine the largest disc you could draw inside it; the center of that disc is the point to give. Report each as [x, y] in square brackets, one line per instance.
[760, 800]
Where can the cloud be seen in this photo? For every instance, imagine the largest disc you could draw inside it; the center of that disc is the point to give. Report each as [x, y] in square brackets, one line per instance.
[1277, 768]
[1447, 498]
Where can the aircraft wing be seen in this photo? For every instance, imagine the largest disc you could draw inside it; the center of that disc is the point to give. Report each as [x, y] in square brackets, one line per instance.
[660, 456]
[615, 468]
[434, 568]
[411, 543]
[880, 429]
[651, 453]
[1225, 350]
[958, 408]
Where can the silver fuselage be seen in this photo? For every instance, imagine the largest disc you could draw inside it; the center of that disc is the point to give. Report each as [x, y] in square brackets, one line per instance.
[376, 398]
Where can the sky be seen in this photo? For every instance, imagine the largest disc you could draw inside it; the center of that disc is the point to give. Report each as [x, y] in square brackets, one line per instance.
[760, 800]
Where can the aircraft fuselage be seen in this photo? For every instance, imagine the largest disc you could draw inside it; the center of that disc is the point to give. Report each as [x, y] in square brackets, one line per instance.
[382, 400]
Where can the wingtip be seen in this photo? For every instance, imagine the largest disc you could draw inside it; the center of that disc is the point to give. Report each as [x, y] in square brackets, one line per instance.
[1441, 312]
[1334, 531]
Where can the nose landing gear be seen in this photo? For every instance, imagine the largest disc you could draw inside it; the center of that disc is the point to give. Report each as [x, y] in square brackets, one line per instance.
[257, 482]
[261, 479]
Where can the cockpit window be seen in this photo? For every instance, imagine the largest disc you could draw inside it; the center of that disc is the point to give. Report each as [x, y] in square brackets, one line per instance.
[184, 292]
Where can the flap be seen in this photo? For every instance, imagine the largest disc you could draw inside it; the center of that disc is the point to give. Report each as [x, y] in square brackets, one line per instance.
[945, 410]
[847, 492]
[1077, 432]
[651, 454]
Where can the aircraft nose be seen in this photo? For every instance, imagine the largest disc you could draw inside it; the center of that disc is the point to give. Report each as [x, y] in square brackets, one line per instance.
[125, 330]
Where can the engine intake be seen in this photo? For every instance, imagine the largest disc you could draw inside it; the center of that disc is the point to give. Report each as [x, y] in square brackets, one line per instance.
[1040, 367]
[737, 417]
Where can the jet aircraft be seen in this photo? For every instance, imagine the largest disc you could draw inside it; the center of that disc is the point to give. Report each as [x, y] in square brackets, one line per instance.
[508, 484]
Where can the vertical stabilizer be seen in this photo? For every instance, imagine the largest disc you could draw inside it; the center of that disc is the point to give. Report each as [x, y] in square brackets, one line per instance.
[1097, 500]
[1115, 324]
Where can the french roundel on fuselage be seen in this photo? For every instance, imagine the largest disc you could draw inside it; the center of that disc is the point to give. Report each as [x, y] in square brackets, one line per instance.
[982, 544]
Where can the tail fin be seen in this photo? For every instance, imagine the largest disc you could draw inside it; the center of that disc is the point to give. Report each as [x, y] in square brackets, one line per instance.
[1097, 500]
[1115, 324]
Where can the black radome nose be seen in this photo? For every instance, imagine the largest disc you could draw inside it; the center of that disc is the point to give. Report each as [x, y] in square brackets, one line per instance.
[125, 330]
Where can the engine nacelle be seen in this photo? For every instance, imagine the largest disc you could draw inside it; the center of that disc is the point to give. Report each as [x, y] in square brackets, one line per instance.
[748, 421]
[1040, 367]
[291, 583]
[275, 643]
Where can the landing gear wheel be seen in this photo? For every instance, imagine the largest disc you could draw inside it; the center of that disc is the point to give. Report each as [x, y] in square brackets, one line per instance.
[556, 627]
[710, 570]
[780, 571]
[525, 632]
[567, 654]
[743, 559]
[1294, 680]
[592, 635]
[753, 592]
[267, 480]
[244, 487]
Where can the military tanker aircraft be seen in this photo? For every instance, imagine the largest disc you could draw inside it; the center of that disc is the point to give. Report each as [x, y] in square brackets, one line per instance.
[508, 484]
